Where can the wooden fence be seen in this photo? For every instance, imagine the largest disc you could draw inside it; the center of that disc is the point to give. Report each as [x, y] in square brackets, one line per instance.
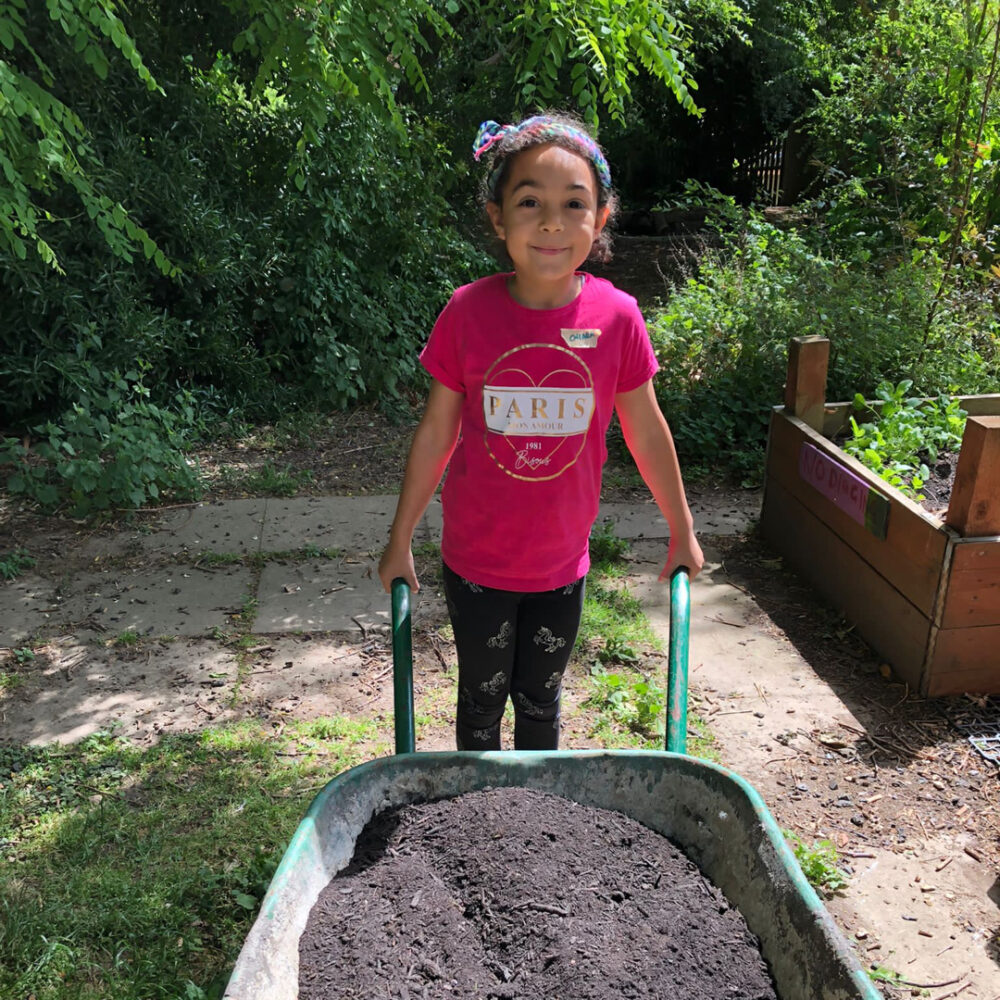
[763, 171]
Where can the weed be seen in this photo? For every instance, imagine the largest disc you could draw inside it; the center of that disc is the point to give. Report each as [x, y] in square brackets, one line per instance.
[218, 559]
[631, 700]
[14, 563]
[818, 863]
[129, 637]
[244, 618]
[24, 654]
[268, 480]
[8, 682]
[605, 546]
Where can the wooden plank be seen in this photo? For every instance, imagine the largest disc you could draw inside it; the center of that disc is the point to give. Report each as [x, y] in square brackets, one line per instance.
[911, 554]
[844, 489]
[805, 384]
[981, 406]
[975, 496]
[965, 660]
[973, 596]
[890, 623]
[836, 415]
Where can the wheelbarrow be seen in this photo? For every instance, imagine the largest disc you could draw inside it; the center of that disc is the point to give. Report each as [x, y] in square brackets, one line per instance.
[712, 814]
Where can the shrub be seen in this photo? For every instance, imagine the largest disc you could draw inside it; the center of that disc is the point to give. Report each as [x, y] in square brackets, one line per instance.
[722, 337]
[112, 448]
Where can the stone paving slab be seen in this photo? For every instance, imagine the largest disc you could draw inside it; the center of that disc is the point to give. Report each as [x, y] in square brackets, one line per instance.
[635, 521]
[229, 526]
[349, 524]
[158, 600]
[328, 595]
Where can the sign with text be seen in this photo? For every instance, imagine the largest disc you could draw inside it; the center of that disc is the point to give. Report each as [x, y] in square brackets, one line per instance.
[844, 488]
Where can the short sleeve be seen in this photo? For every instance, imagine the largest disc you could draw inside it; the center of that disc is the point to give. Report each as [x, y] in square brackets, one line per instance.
[440, 356]
[638, 360]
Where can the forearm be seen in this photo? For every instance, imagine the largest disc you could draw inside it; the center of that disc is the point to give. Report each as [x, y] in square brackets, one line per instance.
[429, 455]
[656, 459]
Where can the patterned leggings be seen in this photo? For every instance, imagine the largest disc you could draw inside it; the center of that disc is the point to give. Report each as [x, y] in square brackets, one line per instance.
[511, 644]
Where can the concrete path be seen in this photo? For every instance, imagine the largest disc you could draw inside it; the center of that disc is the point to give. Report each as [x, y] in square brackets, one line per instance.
[296, 565]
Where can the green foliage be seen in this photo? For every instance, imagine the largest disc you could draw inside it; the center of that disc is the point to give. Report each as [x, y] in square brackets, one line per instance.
[605, 546]
[909, 433]
[268, 480]
[907, 127]
[818, 862]
[44, 141]
[722, 336]
[14, 563]
[631, 700]
[113, 448]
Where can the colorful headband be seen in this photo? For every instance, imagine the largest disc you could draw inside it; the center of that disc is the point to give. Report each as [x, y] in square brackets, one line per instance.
[543, 130]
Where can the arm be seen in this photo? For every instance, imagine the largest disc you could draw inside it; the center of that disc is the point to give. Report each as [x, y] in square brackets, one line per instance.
[433, 442]
[652, 446]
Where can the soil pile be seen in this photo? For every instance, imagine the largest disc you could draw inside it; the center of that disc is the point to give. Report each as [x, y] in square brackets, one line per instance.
[511, 893]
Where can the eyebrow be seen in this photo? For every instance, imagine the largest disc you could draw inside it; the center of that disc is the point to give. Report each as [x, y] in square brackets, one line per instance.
[528, 182]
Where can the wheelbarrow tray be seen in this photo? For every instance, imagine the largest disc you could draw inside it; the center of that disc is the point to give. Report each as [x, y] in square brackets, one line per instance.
[712, 814]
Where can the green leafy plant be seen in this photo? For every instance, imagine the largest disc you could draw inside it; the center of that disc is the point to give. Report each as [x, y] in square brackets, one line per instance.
[14, 563]
[908, 433]
[112, 448]
[818, 862]
[632, 700]
[605, 545]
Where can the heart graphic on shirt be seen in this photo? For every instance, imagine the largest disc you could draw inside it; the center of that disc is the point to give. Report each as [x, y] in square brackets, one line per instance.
[538, 401]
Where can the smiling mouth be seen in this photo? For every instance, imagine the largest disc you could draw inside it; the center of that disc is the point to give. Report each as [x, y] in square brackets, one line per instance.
[549, 250]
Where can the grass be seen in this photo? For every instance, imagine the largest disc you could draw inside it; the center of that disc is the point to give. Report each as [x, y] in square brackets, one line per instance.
[136, 873]
[268, 480]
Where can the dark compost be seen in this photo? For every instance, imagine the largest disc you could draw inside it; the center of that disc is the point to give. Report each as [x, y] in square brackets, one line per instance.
[512, 893]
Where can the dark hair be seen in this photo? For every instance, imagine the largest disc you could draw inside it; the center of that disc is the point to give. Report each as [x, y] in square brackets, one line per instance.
[556, 129]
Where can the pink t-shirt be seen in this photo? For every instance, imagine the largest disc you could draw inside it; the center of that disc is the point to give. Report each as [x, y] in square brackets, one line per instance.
[523, 486]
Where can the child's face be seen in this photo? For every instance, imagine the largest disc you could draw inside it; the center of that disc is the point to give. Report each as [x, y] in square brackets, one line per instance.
[548, 219]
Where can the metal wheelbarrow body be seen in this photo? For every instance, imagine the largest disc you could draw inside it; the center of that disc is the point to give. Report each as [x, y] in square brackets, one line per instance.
[711, 813]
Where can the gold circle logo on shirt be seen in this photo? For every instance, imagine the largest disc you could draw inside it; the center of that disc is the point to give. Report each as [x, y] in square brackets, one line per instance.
[538, 401]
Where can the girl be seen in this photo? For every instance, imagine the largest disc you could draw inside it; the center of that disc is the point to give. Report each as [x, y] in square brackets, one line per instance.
[526, 369]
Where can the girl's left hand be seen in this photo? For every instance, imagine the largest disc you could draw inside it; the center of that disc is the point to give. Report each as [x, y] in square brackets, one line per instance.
[683, 551]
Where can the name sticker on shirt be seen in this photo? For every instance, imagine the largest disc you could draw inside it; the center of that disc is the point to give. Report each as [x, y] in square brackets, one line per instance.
[580, 338]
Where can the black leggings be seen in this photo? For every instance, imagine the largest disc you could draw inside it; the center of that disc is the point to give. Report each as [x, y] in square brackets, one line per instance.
[511, 644]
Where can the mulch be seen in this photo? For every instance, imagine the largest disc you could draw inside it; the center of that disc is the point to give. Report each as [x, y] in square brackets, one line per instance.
[512, 893]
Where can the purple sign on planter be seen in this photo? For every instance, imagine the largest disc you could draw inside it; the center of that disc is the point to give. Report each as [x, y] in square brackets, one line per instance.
[844, 488]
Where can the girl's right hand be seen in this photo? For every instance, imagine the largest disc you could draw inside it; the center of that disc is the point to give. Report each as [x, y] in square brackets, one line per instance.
[397, 562]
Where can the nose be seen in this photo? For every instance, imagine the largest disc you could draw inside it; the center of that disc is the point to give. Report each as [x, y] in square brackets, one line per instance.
[551, 220]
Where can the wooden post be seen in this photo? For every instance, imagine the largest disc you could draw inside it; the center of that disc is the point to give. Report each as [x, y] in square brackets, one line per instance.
[805, 387]
[974, 509]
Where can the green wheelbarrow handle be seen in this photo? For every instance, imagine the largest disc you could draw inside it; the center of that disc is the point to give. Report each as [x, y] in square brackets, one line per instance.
[402, 667]
[677, 664]
[677, 661]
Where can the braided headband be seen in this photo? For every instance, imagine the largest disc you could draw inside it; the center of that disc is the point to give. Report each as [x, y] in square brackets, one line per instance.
[544, 130]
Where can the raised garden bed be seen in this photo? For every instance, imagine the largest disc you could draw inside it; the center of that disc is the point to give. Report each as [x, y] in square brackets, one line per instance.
[923, 590]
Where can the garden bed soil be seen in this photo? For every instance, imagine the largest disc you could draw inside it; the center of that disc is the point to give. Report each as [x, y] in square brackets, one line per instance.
[514, 893]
